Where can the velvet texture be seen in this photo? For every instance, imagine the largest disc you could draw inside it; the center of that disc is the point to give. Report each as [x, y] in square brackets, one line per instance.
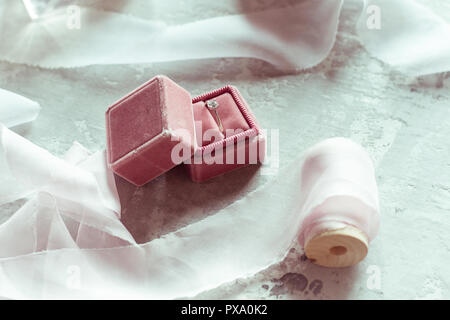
[241, 143]
[143, 128]
[146, 126]
[206, 124]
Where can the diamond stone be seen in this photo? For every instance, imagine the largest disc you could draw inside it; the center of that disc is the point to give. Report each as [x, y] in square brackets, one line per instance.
[212, 104]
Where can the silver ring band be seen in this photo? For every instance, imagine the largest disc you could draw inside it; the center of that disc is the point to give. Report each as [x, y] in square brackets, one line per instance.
[212, 105]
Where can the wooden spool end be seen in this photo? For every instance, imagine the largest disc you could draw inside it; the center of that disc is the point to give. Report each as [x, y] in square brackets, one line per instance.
[338, 248]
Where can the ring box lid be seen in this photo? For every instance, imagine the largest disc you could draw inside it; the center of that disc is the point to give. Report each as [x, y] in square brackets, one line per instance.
[143, 127]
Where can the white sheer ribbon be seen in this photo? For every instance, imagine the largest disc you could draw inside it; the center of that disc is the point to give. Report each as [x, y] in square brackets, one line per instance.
[71, 225]
[411, 37]
[16, 109]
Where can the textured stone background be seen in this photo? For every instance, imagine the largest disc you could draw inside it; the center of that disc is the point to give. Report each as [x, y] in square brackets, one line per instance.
[403, 122]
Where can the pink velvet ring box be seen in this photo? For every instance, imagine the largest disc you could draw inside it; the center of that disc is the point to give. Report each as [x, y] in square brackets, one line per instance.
[240, 144]
[159, 126]
[143, 127]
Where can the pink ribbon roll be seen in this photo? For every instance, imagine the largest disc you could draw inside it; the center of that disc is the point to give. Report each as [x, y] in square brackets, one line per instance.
[339, 194]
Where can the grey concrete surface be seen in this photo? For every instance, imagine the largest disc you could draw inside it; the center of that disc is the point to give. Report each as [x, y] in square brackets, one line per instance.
[403, 122]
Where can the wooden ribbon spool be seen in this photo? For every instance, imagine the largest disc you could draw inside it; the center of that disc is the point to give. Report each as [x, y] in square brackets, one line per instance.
[337, 248]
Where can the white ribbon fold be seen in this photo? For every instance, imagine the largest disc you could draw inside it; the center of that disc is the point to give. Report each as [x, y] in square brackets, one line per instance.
[16, 109]
[410, 37]
[112, 38]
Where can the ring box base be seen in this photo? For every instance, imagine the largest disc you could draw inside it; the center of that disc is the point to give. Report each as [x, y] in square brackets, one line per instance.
[243, 147]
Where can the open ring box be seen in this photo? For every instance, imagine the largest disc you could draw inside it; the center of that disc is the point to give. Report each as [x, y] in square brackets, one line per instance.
[159, 126]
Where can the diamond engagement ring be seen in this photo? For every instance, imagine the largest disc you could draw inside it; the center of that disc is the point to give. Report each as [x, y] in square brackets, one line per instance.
[212, 105]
